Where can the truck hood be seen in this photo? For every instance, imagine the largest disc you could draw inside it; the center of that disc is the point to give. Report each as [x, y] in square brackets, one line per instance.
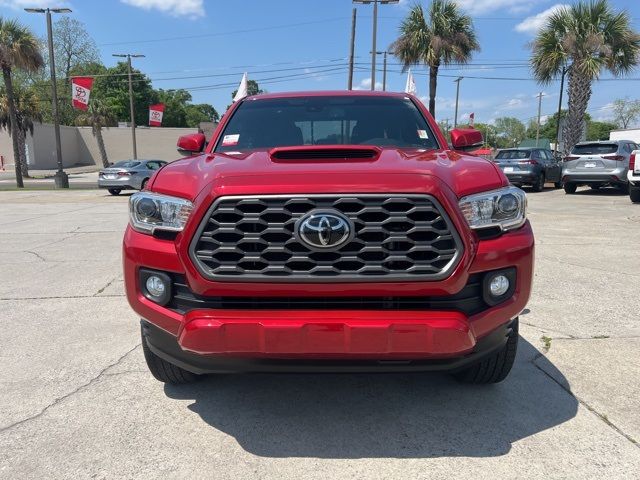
[464, 174]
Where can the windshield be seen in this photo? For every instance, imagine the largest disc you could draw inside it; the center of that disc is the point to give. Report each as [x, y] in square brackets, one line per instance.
[126, 164]
[339, 120]
[513, 154]
[595, 148]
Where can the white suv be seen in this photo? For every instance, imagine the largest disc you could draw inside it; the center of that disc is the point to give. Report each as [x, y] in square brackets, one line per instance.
[634, 176]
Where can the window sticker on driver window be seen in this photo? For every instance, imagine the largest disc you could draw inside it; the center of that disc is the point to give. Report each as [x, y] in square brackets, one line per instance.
[422, 134]
[230, 140]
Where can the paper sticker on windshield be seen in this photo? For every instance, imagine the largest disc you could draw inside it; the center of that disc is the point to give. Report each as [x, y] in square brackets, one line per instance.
[422, 134]
[230, 140]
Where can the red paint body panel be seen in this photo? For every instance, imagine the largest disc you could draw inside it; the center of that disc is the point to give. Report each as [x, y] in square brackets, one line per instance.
[350, 334]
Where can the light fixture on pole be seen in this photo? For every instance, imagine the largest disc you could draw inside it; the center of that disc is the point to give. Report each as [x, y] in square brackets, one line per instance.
[375, 32]
[61, 179]
[129, 56]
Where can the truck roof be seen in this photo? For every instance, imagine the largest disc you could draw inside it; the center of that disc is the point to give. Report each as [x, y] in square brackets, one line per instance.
[327, 93]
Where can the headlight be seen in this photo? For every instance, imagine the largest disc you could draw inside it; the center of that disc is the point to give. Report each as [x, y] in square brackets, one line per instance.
[151, 211]
[505, 208]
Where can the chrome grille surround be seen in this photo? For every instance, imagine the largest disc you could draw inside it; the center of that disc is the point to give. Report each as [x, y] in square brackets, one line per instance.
[398, 237]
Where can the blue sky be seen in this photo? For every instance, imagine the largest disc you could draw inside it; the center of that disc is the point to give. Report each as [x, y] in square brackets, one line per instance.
[304, 44]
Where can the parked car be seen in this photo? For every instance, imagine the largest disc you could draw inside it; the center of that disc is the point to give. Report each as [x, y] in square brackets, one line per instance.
[530, 166]
[128, 175]
[329, 231]
[597, 164]
[634, 176]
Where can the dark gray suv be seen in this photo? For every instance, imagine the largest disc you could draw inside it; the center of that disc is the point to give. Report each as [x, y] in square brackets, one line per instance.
[530, 166]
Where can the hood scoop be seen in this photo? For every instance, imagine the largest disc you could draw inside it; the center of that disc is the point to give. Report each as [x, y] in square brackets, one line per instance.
[325, 153]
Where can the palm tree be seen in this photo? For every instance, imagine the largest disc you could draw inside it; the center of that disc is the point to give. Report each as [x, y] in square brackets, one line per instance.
[98, 115]
[27, 111]
[586, 39]
[446, 37]
[20, 49]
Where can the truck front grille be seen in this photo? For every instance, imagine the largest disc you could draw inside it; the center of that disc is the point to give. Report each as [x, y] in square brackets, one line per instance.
[393, 238]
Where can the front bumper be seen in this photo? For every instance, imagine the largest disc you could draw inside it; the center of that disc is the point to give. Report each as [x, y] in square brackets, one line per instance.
[219, 339]
[166, 346]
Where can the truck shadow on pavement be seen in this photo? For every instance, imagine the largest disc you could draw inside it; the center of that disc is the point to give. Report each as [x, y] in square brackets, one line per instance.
[382, 415]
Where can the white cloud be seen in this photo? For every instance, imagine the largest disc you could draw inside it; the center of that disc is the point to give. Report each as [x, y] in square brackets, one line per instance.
[483, 6]
[604, 113]
[366, 85]
[176, 8]
[532, 24]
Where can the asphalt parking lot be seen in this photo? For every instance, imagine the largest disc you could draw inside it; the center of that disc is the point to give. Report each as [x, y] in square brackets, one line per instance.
[76, 400]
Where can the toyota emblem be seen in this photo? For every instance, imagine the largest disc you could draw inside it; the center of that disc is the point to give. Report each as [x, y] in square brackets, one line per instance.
[324, 229]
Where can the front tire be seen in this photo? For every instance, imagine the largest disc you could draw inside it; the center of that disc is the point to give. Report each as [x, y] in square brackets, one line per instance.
[114, 191]
[495, 367]
[634, 194]
[164, 371]
[570, 188]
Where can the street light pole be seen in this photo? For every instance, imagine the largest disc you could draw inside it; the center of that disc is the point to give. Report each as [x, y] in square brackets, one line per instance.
[61, 179]
[132, 111]
[540, 95]
[375, 33]
[455, 118]
[564, 72]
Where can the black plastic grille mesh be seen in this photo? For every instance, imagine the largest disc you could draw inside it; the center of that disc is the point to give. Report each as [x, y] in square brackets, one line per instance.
[396, 238]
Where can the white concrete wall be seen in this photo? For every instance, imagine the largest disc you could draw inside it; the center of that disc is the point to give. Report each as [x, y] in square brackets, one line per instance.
[632, 134]
[79, 146]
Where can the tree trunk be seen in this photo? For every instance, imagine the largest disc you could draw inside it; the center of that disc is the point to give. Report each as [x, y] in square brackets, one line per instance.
[6, 74]
[103, 151]
[579, 94]
[433, 84]
[24, 167]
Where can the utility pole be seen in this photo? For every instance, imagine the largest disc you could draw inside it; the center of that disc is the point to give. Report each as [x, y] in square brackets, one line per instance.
[352, 48]
[133, 118]
[540, 95]
[455, 118]
[61, 179]
[375, 33]
[564, 72]
[384, 70]
[384, 73]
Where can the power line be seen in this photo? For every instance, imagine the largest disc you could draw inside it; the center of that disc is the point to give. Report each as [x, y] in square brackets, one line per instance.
[220, 34]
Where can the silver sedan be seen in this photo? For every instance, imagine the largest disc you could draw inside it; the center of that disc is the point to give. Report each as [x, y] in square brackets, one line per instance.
[128, 175]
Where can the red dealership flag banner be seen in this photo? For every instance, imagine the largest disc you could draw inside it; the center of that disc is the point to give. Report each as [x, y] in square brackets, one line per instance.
[472, 118]
[80, 91]
[155, 114]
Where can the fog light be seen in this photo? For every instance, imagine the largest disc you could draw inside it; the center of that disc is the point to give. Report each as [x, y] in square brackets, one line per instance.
[498, 285]
[155, 286]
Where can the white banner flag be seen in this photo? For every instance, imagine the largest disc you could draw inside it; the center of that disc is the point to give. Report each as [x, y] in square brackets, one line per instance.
[411, 84]
[242, 89]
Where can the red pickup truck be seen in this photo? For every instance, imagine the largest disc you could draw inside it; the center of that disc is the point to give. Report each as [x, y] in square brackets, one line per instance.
[329, 231]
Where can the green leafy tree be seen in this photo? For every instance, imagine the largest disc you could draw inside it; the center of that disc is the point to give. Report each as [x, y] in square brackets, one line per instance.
[113, 88]
[626, 111]
[599, 130]
[73, 46]
[175, 107]
[446, 36]
[200, 112]
[587, 38]
[489, 133]
[19, 49]
[510, 131]
[98, 116]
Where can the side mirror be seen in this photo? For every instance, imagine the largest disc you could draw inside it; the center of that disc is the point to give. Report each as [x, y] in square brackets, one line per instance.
[466, 139]
[191, 144]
